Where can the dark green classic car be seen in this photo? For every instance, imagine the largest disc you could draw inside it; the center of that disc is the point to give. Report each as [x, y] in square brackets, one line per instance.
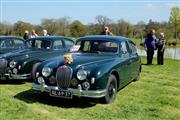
[20, 64]
[10, 43]
[101, 66]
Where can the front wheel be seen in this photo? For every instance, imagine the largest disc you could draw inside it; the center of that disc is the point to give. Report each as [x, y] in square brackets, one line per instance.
[111, 90]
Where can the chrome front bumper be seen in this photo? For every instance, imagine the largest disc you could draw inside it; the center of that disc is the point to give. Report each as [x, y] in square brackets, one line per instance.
[76, 92]
[19, 77]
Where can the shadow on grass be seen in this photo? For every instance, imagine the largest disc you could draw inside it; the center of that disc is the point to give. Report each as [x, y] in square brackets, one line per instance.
[12, 82]
[150, 64]
[31, 96]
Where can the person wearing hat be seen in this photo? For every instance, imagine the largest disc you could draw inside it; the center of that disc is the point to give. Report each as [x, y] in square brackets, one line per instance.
[160, 49]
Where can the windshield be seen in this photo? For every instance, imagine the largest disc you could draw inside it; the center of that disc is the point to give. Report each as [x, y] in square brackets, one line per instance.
[38, 43]
[98, 46]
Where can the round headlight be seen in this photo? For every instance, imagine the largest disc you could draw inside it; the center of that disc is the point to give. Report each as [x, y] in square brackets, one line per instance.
[12, 64]
[46, 71]
[82, 74]
[52, 80]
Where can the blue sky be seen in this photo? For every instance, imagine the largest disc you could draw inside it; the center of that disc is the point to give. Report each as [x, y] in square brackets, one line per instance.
[34, 11]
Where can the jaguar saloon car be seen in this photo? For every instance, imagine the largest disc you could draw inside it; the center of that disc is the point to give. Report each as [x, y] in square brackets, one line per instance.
[97, 67]
[19, 64]
[10, 43]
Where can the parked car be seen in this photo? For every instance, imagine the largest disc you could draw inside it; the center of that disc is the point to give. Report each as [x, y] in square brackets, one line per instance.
[101, 66]
[10, 43]
[19, 64]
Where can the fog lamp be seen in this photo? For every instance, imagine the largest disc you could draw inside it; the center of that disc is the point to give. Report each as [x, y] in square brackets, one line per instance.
[15, 70]
[86, 85]
[40, 80]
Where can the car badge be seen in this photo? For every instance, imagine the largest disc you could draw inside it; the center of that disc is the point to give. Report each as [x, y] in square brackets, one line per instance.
[68, 59]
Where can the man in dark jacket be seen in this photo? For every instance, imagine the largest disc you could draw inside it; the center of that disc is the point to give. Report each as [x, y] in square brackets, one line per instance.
[149, 45]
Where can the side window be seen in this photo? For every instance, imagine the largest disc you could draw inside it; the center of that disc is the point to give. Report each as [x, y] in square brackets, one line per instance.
[38, 44]
[124, 50]
[68, 43]
[58, 45]
[7, 43]
[86, 46]
[18, 43]
[132, 47]
[2, 44]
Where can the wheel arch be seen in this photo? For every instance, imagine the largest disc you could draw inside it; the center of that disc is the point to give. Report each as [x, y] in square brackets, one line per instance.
[115, 73]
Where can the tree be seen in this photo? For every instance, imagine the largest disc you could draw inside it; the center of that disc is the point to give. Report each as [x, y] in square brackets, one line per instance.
[6, 29]
[152, 25]
[77, 29]
[175, 20]
[124, 28]
[63, 26]
[50, 25]
[100, 22]
[103, 20]
[139, 30]
[20, 27]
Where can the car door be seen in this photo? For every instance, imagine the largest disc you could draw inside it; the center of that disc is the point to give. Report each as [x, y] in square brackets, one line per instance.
[124, 67]
[135, 64]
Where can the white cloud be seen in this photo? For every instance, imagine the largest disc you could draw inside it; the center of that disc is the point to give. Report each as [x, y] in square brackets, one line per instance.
[170, 5]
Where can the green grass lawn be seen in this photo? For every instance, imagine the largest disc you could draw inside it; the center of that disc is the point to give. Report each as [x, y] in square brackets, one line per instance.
[155, 97]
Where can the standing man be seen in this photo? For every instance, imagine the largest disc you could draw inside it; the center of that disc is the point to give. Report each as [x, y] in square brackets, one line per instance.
[34, 34]
[149, 45]
[106, 31]
[45, 33]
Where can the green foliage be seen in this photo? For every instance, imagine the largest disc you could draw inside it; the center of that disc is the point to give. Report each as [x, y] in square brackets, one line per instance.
[21, 26]
[57, 26]
[6, 29]
[175, 20]
[64, 26]
[154, 97]
[50, 25]
[77, 29]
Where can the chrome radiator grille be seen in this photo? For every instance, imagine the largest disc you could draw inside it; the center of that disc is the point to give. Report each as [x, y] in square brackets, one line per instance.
[63, 76]
[3, 65]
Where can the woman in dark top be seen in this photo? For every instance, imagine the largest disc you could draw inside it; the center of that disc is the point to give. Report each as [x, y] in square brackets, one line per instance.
[161, 48]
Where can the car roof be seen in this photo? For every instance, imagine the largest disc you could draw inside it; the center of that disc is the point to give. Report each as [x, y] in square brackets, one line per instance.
[6, 37]
[105, 37]
[49, 37]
